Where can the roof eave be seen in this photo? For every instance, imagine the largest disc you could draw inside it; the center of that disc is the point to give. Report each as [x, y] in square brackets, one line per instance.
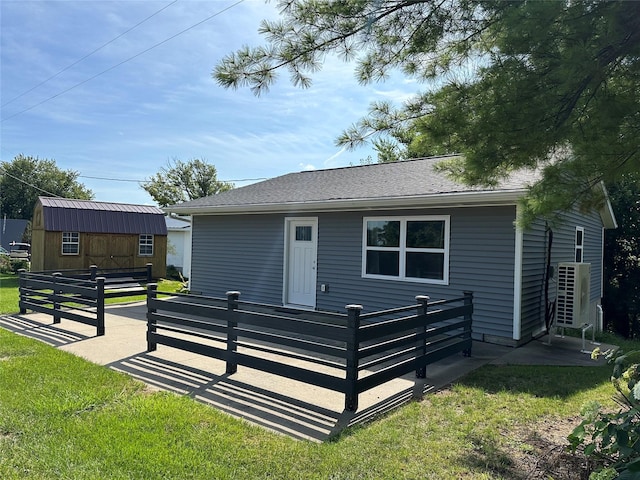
[456, 199]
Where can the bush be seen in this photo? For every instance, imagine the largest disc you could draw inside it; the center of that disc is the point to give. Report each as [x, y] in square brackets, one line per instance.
[613, 438]
[11, 265]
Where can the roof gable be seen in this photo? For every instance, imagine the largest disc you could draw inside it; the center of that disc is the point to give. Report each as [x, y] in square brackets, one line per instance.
[88, 216]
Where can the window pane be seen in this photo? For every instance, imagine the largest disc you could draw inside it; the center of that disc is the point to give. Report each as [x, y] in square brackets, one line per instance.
[579, 238]
[579, 255]
[70, 248]
[383, 263]
[425, 234]
[145, 245]
[425, 265]
[381, 233]
[303, 234]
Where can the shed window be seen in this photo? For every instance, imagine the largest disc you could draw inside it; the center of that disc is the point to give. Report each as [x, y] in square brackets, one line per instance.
[407, 248]
[145, 245]
[579, 244]
[70, 243]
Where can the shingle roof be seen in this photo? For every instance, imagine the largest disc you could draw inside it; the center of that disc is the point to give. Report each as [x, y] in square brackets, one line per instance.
[70, 215]
[373, 183]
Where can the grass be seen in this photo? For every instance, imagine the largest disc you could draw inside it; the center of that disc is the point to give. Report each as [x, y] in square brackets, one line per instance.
[8, 293]
[63, 417]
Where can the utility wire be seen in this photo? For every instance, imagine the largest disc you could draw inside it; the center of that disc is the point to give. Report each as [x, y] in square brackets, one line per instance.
[123, 62]
[4, 172]
[89, 54]
[147, 181]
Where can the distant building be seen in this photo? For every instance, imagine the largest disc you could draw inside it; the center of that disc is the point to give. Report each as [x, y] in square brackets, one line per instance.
[179, 244]
[12, 230]
[75, 234]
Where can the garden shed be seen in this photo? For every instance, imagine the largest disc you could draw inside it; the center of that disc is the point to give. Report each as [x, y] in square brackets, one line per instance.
[378, 235]
[75, 234]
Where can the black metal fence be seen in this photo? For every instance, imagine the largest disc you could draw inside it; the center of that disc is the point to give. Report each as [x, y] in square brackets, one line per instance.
[348, 353]
[79, 295]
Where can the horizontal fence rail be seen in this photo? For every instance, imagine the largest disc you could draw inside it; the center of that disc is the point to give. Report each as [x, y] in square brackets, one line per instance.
[349, 353]
[62, 297]
[119, 282]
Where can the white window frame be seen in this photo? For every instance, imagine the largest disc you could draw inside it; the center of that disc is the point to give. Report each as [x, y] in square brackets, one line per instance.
[145, 237]
[70, 239]
[579, 247]
[403, 249]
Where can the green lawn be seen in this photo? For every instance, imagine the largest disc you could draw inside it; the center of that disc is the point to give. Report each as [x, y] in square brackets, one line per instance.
[8, 293]
[63, 417]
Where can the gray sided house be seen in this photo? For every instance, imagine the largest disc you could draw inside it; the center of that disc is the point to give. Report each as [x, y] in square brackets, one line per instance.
[12, 230]
[72, 234]
[378, 235]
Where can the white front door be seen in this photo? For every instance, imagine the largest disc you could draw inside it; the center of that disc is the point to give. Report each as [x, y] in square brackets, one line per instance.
[301, 259]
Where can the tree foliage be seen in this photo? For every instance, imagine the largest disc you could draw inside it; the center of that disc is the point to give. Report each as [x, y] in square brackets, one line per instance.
[512, 84]
[622, 259]
[181, 181]
[26, 178]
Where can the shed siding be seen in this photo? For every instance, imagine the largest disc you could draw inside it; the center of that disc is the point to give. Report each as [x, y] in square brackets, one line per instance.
[245, 253]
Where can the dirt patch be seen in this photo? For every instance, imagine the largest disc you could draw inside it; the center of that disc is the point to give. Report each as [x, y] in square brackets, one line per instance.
[539, 451]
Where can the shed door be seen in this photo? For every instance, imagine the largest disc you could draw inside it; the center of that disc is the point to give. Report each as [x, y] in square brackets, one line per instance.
[111, 251]
[301, 259]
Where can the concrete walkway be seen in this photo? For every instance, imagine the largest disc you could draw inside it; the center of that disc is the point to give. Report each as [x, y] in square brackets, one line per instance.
[286, 406]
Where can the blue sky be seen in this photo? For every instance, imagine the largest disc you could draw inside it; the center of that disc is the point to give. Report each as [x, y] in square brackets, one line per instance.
[127, 121]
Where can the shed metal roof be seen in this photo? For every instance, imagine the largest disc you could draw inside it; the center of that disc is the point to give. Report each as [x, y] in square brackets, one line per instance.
[88, 216]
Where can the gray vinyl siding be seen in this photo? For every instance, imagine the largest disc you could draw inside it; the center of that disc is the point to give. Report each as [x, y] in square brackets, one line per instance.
[481, 259]
[243, 253]
[564, 245]
[562, 250]
[534, 242]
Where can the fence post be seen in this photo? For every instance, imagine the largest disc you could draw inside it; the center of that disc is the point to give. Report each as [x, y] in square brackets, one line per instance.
[468, 317]
[93, 272]
[152, 294]
[56, 291]
[100, 306]
[421, 335]
[21, 288]
[232, 333]
[352, 354]
[149, 272]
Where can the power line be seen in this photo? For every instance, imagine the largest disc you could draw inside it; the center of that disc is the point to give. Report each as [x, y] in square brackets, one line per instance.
[147, 181]
[89, 54]
[4, 172]
[123, 62]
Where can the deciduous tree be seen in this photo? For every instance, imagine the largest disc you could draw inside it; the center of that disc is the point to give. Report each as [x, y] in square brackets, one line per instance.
[181, 181]
[26, 178]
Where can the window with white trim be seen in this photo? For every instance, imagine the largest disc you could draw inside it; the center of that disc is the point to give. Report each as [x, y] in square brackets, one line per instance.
[145, 245]
[579, 244]
[70, 243]
[406, 248]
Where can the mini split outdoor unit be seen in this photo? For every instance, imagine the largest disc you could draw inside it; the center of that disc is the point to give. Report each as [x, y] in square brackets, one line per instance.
[572, 308]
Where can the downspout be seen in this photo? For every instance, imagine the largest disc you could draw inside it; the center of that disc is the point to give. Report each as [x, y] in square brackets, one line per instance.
[517, 280]
[549, 308]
